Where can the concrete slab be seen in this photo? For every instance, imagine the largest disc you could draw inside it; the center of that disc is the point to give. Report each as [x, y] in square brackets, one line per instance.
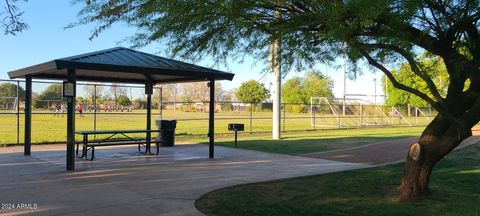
[123, 182]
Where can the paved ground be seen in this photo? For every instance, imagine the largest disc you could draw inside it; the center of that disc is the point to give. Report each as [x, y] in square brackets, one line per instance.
[122, 182]
[381, 152]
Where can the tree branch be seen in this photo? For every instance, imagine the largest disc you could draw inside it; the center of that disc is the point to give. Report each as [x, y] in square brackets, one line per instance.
[12, 22]
[416, 92]
[394, 81]
[414, 66]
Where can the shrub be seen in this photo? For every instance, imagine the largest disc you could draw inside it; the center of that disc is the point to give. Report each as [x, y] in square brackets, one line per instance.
[296, 108]
[226, 106]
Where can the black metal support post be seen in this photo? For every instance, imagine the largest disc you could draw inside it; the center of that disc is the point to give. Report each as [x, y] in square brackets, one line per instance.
[211, 120]
[160, 102]
[284, 117]
[313, 114]
[236, 138]
[94, 110]
[251, 117]
[28, 115]
[361, 115]
[18, 112]
[71, 122]
[148, 91]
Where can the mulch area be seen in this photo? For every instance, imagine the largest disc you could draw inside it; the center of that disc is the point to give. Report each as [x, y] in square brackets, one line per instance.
[381, 152]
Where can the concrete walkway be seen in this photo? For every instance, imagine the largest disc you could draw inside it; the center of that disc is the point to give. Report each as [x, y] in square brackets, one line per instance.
[123, 182]
[381, 152]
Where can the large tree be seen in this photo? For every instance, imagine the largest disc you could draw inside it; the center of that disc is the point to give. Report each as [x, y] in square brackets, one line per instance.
[52, 94]
[116, 92]
[8, 95]
[377, 32]
[124, 101]
[317, 85]
[93, 91]
[293, 91]
[252, 91]
[169, 93]
[301, 89]
[198, 92]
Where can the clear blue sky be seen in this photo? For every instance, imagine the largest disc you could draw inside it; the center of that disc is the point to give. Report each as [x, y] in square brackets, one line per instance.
[46, 39]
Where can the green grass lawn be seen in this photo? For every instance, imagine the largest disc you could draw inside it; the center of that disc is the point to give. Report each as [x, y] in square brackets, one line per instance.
[49, 128]
[455, 186]
[297, 143]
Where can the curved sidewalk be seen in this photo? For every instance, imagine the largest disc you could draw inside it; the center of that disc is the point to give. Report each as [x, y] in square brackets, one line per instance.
[123, 182]
[381, 152]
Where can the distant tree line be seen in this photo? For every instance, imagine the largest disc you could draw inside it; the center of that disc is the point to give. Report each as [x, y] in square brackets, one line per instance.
[8, 94]
[295, 90]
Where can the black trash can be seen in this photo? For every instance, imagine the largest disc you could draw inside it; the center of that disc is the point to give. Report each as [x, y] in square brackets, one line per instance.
[167, 132]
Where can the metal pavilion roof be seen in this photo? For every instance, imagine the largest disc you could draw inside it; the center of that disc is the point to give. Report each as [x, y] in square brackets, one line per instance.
[123, 65]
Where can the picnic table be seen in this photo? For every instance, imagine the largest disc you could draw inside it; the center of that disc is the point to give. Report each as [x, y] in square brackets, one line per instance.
[112, 139]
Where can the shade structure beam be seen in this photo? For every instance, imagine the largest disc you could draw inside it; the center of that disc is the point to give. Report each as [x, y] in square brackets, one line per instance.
[71, 122]
[211, 120]
[148, 92]
[28, 115]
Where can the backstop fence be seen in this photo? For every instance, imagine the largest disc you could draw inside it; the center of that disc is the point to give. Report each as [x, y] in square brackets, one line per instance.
[110, 107]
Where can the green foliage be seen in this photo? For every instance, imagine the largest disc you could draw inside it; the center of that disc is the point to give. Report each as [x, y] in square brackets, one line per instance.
[301, 89]
[317, 85]
[7, 93]
[252, 92]
[293, 91]
[296, 108]
[381, 32]
[433, 67]
[226, 106]
[193, 29]
[10, 90]
[52, 93]
[80, 99]
[124, 101]
[265, 107]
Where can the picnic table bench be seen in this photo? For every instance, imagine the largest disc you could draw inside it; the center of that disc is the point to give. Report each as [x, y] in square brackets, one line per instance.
[111, 140]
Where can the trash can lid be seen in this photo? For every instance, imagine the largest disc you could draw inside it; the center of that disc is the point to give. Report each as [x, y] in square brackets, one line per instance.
[168, 121]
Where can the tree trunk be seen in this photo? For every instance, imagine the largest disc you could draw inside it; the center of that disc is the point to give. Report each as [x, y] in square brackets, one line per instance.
[438, 139]
[415, 179]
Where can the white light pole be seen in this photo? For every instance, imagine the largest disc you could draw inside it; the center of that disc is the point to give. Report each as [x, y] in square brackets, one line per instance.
[275, 66]
[277, 87]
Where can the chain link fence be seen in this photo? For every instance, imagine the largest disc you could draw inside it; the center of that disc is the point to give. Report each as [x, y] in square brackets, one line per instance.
[110, 107]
